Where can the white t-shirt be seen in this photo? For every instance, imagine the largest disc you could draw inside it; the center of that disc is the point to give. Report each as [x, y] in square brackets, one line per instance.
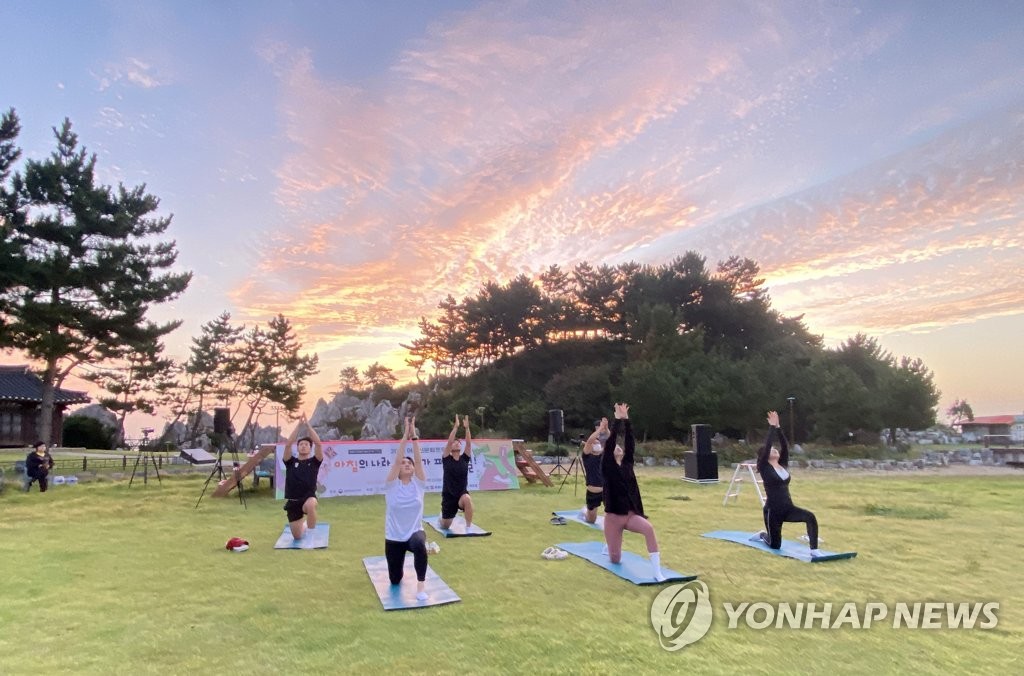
[403, 514]
[781, 471]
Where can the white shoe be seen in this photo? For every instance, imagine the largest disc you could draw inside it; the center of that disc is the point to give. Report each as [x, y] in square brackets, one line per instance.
[659, 576]
[421, 596]
[815, 553]
[433, 548]
[604, 550]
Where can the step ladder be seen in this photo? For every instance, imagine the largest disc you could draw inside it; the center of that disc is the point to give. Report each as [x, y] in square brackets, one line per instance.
[527, 466]
[738, 478]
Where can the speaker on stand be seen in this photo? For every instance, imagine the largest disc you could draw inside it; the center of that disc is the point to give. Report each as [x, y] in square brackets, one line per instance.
[556, 429]
[223, 432]
[701, 464]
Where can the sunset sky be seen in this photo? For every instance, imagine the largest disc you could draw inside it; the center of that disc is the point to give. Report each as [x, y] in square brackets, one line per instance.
[349, 164]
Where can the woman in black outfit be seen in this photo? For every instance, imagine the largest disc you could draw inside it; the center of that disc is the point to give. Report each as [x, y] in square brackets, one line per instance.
[773, 465]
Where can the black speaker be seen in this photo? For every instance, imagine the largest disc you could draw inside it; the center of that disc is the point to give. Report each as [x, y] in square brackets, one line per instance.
[700, 466]
[222, 421]
[701, 438]
[556, 422]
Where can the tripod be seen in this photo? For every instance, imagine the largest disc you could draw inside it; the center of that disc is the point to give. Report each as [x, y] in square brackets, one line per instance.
[145, 456]
[558, 461]
[574, 469]
[218, 471]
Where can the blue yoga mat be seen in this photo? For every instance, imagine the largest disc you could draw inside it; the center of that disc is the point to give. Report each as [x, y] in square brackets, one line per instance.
[315, 538]
[458, 528]
[790, 549]
[574, 515]
[403, 595]
[636, 569]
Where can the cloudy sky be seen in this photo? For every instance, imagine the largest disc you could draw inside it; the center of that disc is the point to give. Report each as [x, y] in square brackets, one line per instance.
[349, 164]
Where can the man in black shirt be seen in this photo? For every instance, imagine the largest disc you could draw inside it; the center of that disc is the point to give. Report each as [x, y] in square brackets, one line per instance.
[300, 473]
[455, 484]
[38, 464]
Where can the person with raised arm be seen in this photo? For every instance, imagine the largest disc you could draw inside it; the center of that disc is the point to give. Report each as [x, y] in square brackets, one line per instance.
[300, 473]
[773, 465]
[404, 489]
[455, 483]
[623, 508]
[591, 451]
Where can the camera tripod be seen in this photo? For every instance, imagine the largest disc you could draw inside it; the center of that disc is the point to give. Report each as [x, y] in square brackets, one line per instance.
[145, 456]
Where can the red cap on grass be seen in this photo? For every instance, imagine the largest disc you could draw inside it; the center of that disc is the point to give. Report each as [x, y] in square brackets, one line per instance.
[237, 545]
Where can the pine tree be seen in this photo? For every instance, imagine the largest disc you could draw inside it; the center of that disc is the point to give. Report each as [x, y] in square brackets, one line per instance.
[82, 266]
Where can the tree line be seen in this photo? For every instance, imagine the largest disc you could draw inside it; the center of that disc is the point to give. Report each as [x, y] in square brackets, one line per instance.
[682, 342]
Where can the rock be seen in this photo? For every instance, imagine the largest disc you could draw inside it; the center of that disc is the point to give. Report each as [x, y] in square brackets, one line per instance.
[796, 449]
[649, 461]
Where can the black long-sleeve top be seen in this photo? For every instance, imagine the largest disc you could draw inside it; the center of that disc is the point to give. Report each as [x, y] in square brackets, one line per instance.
[775, 487]
[38, 465]
[621, 493]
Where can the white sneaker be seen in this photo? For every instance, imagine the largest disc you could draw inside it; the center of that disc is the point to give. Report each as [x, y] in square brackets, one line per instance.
[604, 550]
[421, 596]
[815, 553]
[433, 548]
[659, 576]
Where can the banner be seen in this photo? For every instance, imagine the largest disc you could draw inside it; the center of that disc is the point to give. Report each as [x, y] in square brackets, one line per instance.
[360, 467]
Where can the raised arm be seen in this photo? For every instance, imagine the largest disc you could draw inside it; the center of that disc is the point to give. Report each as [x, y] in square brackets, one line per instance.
[396, 466]
[417, 460]
[468, 450]
[608, 457]
[783, 448]
[773, 428]
[290, 443]
[318, 448]
[629, 445]
[588, 445]
[451, 435]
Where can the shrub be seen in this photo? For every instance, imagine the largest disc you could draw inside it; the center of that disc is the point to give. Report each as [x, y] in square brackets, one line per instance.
[87, 432]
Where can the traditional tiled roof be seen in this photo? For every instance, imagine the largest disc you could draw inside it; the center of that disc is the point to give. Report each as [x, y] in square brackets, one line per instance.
[18, 383]
[990, 420]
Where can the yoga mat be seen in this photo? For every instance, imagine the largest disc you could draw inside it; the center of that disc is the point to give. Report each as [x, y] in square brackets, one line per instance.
[636, 569]
[790, 549]
[458, 528]
[574, 515]
[315, 538]
[403, 595]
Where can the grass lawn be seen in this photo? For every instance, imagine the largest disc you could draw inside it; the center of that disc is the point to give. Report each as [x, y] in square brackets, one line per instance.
[100, 578]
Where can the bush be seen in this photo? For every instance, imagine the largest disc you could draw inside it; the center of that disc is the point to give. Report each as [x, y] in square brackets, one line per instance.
[87, 432]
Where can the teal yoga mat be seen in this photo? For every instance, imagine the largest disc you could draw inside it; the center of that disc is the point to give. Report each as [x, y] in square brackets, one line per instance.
[636, 569]
[790, 549]
[315, 538]
[575, 516]
[457, 529]
[402, 596]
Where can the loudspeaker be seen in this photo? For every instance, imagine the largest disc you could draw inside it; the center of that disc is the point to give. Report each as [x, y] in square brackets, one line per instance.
[701, 438]
[222, 421]
[701, 466]
[556, 422]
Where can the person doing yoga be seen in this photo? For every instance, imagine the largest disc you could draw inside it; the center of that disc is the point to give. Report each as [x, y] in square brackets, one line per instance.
[773, 465]
[623, 508]
[403, 515]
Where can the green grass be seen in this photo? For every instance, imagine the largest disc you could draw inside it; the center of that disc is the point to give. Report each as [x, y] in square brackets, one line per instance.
[100, 578]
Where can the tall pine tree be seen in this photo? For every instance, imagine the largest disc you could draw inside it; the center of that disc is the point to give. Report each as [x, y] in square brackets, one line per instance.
[83, 266]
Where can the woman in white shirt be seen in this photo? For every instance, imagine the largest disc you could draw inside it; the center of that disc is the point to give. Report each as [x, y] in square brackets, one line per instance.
[403, 516]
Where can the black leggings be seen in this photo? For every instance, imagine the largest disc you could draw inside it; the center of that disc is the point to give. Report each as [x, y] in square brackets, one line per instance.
[774, 517]
[43, 482]
[394, 552]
